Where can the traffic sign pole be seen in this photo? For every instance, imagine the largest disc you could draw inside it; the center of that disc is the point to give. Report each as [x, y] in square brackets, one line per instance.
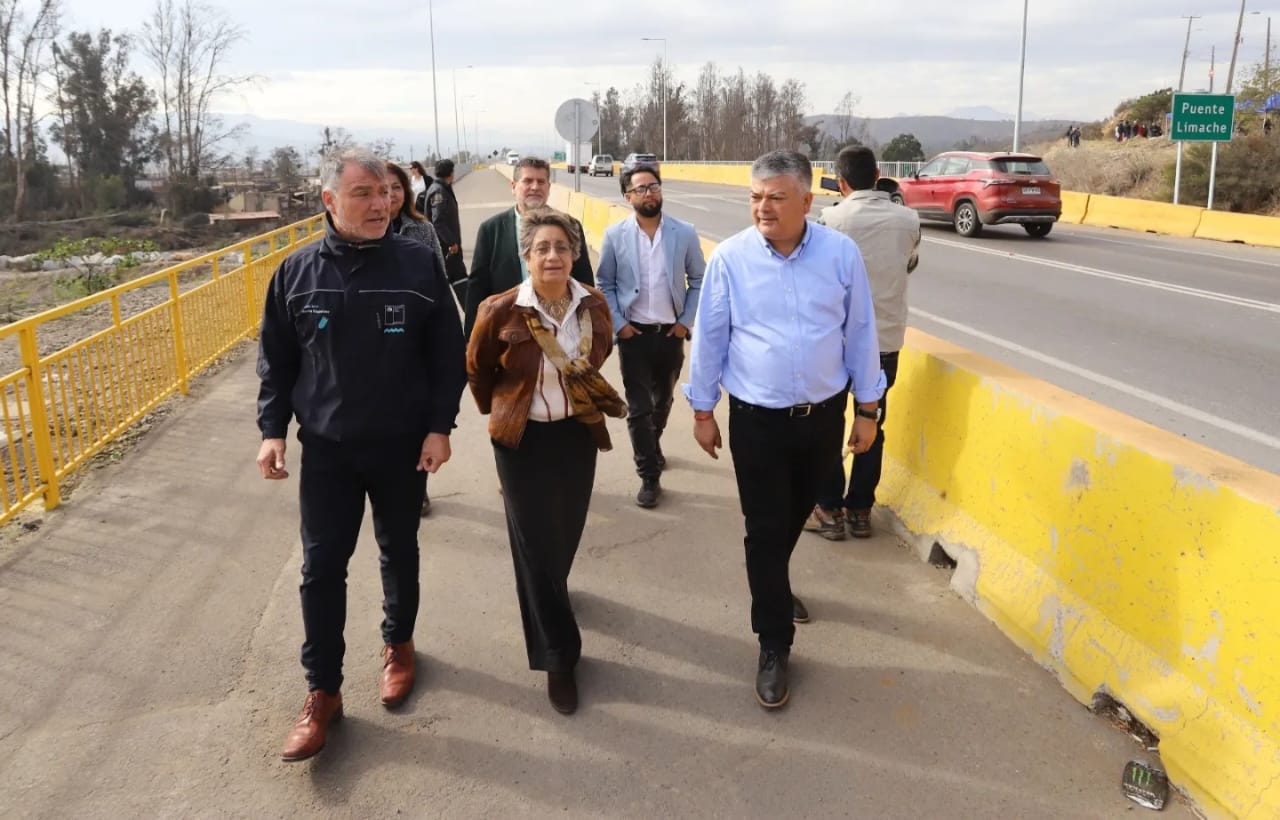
[1177, 175]
[1213, 175]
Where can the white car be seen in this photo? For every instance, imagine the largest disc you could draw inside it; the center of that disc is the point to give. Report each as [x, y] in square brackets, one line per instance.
[513, 157]
[601, 164]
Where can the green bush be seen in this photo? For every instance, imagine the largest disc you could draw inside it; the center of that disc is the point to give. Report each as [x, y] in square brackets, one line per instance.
[107, 193]
[1248, 175]
[93, 275]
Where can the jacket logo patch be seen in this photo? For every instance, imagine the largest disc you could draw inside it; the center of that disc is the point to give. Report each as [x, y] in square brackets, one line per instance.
[324, 322]
[393, 317]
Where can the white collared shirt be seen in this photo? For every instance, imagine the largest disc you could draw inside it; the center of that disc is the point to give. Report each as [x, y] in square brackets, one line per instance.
[654, 305]
[550, 397]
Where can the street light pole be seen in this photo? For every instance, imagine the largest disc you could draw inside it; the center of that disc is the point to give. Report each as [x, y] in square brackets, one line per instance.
[1186, 51]
[1022, 73]
[663, 78]
[1182, 75]
[1235, 47]
[457, 134]
[435, 103]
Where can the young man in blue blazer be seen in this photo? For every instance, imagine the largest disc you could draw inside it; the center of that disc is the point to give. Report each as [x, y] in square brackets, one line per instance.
[651, 274]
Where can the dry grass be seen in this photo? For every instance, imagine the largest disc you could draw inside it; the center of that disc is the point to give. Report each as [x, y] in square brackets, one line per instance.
[1136, 168]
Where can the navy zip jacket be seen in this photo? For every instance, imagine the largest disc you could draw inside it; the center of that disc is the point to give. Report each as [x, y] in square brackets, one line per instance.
[360, 341]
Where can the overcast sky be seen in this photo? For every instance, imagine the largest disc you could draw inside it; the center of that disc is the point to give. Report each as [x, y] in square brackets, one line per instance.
[327, 62]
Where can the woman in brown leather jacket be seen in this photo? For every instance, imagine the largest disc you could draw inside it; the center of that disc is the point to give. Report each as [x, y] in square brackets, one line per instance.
[532, 362]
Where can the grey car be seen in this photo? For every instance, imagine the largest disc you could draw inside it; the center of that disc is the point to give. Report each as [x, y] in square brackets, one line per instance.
[633, 160]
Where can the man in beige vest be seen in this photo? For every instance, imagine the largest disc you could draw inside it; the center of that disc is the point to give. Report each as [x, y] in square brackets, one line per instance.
[888, 235]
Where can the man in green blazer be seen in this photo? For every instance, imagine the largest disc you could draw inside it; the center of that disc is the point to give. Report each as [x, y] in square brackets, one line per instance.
[496, 265]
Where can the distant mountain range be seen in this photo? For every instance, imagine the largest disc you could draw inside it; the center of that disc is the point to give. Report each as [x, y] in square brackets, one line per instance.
[938, 134]
[986, 127]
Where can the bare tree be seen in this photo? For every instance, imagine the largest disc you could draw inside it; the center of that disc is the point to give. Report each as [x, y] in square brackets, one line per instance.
[25, 61]
[383, 148]
[188, 45]
[335, 140]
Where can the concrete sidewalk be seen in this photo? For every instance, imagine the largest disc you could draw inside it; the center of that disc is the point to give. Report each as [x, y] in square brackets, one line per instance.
[149, 638]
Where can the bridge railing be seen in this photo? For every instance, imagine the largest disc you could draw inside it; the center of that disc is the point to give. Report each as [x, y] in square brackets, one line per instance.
[896, 170]
[67, 401]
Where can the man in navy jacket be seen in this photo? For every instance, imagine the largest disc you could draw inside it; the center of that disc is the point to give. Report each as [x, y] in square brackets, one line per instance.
[361, 343]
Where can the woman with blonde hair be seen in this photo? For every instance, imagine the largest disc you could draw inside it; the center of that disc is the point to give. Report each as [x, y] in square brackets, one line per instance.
[533, 364]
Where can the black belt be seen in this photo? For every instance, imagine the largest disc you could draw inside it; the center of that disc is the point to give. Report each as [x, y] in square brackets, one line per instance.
[652, 328]
[839, 400]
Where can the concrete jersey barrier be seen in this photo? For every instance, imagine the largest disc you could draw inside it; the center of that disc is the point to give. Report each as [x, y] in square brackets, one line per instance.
[1129, 562]
[1077, 208]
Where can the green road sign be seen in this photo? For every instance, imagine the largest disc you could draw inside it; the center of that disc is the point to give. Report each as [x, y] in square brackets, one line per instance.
[558, 156]
[1202, 117]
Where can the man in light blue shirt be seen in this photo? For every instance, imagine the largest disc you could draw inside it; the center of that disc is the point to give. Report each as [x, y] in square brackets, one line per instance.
[786, 326]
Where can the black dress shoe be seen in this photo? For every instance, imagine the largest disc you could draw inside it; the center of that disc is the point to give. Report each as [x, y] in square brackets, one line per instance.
[860, 523]
[562, 691]
[649, 492]
[771, 681]
[798, 613]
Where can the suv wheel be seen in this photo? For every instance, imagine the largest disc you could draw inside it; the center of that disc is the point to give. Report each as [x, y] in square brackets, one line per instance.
[1038, 229]
[897, 199]
[966, 220]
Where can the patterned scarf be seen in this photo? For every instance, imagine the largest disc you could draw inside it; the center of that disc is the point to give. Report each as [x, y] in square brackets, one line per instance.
[591, 396]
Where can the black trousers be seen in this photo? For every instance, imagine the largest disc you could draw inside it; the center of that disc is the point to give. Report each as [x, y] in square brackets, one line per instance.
[867, 467]
[455, 270]
[546, 487]
[336, 478]
[778, 459]
[650, 363]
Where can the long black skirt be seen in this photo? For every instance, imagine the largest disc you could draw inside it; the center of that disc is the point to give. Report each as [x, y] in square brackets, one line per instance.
[546, 487]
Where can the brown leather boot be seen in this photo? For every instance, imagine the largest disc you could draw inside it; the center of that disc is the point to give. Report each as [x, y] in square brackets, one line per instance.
[307, 737]
[397, 673]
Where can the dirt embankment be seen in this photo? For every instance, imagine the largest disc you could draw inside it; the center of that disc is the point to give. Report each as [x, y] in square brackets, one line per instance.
[1136, 168]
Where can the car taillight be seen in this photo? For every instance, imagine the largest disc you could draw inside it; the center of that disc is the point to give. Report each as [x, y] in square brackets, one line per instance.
[988, 182]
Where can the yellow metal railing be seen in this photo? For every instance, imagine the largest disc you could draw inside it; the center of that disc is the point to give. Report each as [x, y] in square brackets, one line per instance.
[63, 406]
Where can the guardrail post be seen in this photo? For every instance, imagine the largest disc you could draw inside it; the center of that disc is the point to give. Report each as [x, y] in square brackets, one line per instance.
[39, 417]
[250, 300]
[179, 344]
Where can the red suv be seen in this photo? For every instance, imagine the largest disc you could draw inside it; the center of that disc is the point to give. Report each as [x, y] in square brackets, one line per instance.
[971, 190]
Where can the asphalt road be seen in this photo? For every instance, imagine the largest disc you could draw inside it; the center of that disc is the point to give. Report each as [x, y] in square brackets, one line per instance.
[1181, 333]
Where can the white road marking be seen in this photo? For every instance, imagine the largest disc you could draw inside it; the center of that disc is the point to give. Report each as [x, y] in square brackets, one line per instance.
[683, 200]
[1181, 251]
[1213, 296]
[1106, 381]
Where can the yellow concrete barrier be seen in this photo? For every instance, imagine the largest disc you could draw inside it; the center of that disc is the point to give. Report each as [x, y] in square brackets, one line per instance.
[1251, 229]
[1074, 207]
[1125, 559]
[1077, 209]
[1141, 215]
[733, 174]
